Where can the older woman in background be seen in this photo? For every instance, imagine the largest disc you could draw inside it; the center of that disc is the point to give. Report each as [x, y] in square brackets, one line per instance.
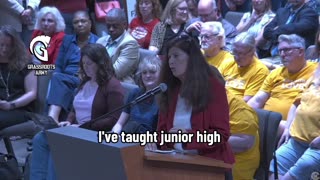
[141, 27]
[173, 20]
[49, 22]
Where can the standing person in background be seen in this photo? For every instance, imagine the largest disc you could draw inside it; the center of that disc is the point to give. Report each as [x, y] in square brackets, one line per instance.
[20, 14]
[141, 27]
[65, 78]
[173, 20]
[49, 22]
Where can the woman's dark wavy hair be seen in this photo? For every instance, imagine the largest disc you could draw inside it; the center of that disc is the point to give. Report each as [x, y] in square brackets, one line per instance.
[19, 56]
[196, 88]
[99, 55]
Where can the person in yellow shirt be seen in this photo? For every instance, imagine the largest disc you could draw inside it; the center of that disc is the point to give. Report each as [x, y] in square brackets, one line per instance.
[283, 84]
[212, 36]
[299, 156]
[244, 139]
[245, 74]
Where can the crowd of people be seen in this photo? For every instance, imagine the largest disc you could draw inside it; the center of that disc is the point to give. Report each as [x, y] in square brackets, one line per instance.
[216, 72]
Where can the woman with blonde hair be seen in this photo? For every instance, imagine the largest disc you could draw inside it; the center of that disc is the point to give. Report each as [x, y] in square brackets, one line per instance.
[173, 20]
[142, 117]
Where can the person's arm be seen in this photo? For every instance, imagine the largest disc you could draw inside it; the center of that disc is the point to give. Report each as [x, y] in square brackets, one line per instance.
[241, 142]
[259, 100]
[291, 116]
[30, 86]
[269, 29]
[154, 41]
[121, 122]
[128, 60]
[62, 54]
[13, 5]
[246, 98]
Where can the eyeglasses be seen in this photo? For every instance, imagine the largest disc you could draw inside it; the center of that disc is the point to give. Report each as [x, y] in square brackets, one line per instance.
[182, 9]
[208, 36]
[287, 50]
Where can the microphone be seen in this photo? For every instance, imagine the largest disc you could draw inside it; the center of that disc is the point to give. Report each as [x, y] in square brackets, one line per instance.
[161, 88]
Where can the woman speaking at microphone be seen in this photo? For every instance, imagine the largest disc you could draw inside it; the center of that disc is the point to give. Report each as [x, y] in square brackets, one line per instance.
[195, 101]
[142, 117]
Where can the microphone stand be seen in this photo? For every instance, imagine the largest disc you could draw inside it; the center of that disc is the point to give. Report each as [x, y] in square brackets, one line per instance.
[132, 103]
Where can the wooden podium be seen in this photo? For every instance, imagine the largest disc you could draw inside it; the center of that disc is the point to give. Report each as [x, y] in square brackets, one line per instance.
[77, 155]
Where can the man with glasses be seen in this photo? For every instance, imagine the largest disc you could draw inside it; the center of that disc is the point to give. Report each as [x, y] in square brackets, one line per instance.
[208, 11]
[284, 84]
[212, 39]
[122, 48]
[296, 18]
[246, 73]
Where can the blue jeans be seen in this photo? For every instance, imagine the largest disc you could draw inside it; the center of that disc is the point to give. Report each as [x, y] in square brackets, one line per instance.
[41, 167]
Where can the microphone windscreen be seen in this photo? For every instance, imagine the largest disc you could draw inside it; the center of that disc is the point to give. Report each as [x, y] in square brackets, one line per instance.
[163, 87]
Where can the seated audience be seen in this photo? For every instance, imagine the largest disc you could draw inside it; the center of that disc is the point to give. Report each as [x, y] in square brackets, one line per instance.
[233, 5]
[67, 9]
[297, 18]
[246, 73]
[65, 78]
[121, 46]
[193, 8]
[244, 139]
[173, 20]
[195, 101]
[284, 84]
[299, 156]
[208, 11]
[141, 117]
[141, 27]
[313, 51]
[49, 22]
[254, 23]
[212, 39]
[99, 92]
[18, 84]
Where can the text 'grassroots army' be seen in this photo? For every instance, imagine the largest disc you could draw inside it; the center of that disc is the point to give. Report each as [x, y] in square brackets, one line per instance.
[162, 138]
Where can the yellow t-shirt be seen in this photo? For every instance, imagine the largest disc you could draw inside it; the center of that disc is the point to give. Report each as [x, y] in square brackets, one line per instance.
[284, 87]
[244, 81]
[306, 125]
[221, 58]
[244, 120]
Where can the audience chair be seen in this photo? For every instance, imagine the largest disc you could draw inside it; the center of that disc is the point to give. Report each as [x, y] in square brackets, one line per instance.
[268, 127]
[234, 17]
[29, 127]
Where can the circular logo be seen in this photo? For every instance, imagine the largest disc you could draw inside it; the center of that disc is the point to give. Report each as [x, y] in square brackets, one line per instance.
[315, 176]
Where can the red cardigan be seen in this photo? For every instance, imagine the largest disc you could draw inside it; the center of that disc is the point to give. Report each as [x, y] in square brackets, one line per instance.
[215, 117]
[54, 45]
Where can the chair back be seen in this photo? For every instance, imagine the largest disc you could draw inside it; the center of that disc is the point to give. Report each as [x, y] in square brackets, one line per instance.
[268, 128]
[234, 17]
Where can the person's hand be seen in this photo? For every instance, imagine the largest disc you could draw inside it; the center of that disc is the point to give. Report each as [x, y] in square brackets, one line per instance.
[150, 147]
[26, 16]
[284, 137]
[5, 105]
[64, 123]
[117, 128]
[175, 130]
[315, 143]
[194, 26]
[75, 125]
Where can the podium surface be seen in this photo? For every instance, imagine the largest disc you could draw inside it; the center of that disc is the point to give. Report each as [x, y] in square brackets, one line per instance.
[78, 155]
